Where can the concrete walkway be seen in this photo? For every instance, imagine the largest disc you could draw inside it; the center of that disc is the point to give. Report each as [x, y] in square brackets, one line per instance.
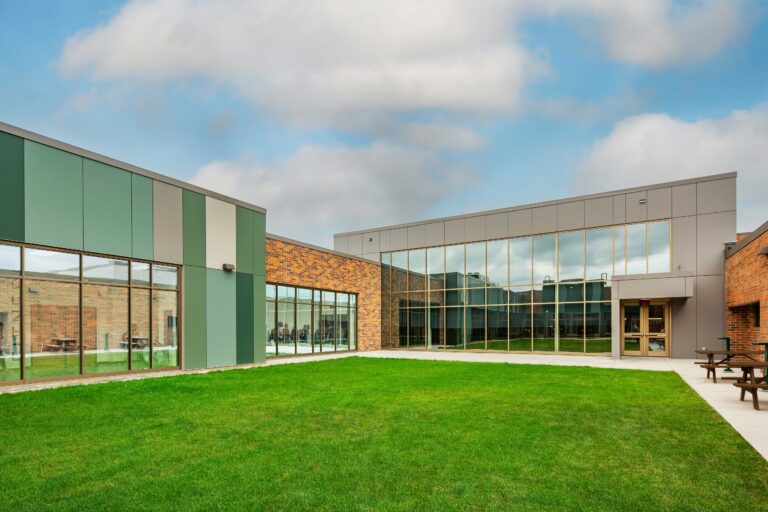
[723, 396]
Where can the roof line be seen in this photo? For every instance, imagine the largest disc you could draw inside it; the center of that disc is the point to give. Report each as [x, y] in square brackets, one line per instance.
[69, 148]
[564, 200]
[322, 249]
[731, 250]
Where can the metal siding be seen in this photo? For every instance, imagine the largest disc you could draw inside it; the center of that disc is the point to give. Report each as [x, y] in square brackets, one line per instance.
[53, 196]
[684, 340]
[637, 212]
[245, 318]
[570, 215]
[371, 242]
[713, 230]
[659, 203]
[716, 196]
[684, 200]
[435, 234]
[454, 231]
[220, 233]
[355, 245]
[12, 191]
[710, 311]
[619, 209]
[167, 223]
[141, 217]
[398, 239]
[245, 245]
[544, 219]
[221, 318]
[684, 244]
[598, 212]
[195, 351]
[193, 208]
[259, 244]
[417, 236]
[259, 319]
[385, 240]
[496, 226]
[474, 229]
[520, 222]
[106, 209]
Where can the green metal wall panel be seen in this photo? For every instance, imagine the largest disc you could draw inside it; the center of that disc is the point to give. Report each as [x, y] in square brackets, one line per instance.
[11, 187]
[193, 205]
[195, 348]
[245, 320]
[260, 318]
[259, 244]
[106, 209]
[141, 217]
[221, 322]
[53, 196]
[245, 245]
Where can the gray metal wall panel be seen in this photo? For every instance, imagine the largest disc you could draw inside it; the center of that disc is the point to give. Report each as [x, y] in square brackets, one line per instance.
[474, 229]
[716, 196]
[636, 211]
[520, 222]
[167, 225]
[371, 242]
[341, 244]
[570, 215]
[496, 226]
[417, 236]
[684, 200]
[544, 219]
[598, 212]
[385, 240]
[435, 234]
[373, 256]
[713, 230]
[710, 311]
[356, 245]
[659, 203]
[684, 332]
[619, 209]
[398, 239]
[684, 244]
[454, 231]
[220, 233]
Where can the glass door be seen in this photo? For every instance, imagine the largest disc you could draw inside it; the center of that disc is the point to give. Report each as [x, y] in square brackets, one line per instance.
[645, 328]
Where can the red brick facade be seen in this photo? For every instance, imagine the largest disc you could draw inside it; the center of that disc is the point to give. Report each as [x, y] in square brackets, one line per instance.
[295, 264]
[746, 278]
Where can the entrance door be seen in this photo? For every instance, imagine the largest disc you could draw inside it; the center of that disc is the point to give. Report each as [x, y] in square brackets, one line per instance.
[645, 328]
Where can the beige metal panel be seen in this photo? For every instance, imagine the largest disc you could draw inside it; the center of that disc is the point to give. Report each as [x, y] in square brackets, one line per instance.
[710, 310]
[417, 236]
[716, 196]
[615, 324]
[683, 328]
[684, 200]
[371, 243]
[598, 212]
[619, 209]
[474, 229]
[398, 239]
[385, 240]
[544, 219]
[454, 231]
[167, 216]
[637, 209]
[373, 256]
[659, 203]
[356, 244]
[684, 244]
[435, 234]
[341, 243]
[713, 230]
[496, 226]
[658, 288]
[519, 222]
[570, 215]
[220, 233]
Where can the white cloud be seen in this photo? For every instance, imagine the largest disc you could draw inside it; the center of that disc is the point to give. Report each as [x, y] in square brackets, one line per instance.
[321, 190]
[652, 148]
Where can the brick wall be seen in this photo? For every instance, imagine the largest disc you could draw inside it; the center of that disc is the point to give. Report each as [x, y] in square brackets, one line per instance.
[746, 278]
[297, 265]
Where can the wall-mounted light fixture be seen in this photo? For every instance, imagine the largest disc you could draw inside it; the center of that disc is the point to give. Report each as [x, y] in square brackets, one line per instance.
[763, 251]
[228, 267]
[643, 200]
[370, 239]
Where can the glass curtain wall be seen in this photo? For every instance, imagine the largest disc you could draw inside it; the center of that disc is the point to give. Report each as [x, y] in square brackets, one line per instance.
[306, 321]
[542, 293]
[66, 314]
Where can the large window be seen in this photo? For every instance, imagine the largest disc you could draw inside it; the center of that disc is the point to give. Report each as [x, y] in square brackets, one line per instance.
[306, 321]
[64, 313]
[542, 293]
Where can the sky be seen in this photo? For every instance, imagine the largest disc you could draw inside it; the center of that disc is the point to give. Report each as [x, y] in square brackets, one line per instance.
[338, 115]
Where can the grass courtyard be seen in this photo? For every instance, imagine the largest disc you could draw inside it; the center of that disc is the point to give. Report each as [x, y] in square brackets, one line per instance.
[371, 434]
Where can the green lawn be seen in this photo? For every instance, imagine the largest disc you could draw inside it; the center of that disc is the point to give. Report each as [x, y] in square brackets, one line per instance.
[372, 434]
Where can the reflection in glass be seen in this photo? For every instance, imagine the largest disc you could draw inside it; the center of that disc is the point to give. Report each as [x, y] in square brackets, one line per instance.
[454, 297]
[571, 326]
[544, 259]
[544, 292]
[476, 296]
[520, 328]
[475, 324]
[417, 269]
[658, 247]
[105, 328]
[286, 293]
[436, 326]
[286, 329]
[636, 256]
[498, 264]
[165, 334]
[571, 292]
[436, 268]
[304, 323]
[328, 326]
[619, 251]
[10, 260]
[496, 296]
[51, 329]
[476, 271]
[105, 270]
[544, 327]
[598, 290]
[352, 328]
[10, 329]
[520, 261]
[598, 327]
[342, 326]
[632, 318]
[271, 328]
[631, 344]
[417, 328]
[599, 253]
[454, 328]
[520, 294]
[51, 264]
[497, 327]
[139, 273]
[139, 329]
[399, 277]
[164, 276]
[454, 266]
[417, 299]
[571, 256]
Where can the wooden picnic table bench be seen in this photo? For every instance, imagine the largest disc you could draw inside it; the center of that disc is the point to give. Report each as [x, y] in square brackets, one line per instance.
[711, 365]
[62, 345]
[749, 381]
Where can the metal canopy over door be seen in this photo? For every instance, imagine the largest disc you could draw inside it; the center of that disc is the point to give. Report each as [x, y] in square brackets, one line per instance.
[645, 328]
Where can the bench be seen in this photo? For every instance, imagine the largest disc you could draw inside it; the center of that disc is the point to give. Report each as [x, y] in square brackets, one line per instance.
[752, 388]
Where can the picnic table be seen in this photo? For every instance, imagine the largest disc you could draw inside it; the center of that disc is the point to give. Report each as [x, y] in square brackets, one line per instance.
[137, 342]
[62, 345]
[749, 381]
[711, 365]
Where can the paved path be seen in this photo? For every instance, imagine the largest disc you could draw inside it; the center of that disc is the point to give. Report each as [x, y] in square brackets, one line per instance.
[723, 396]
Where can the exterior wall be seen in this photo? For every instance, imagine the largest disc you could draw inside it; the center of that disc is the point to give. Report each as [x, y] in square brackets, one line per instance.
[747, 291]
[296, 264]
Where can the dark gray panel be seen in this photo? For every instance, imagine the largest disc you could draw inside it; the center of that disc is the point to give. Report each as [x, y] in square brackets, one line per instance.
[684, 200]
[637, 211]
[684, 244]
[454, 231]
[598, 212]
[474, 229]
[570, 215]
[519, 222]
[716, 196]
[659, 203]
[544, 219]
[167, 223]
[713, 231]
